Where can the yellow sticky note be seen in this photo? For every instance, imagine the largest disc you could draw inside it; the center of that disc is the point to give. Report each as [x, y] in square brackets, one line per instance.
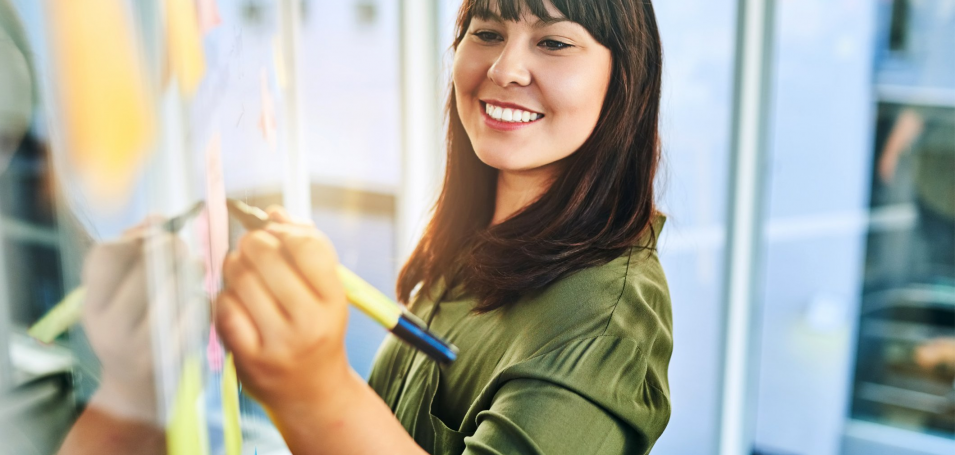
[184, 44]
[60, 317]
[106, 108]
[186, 431]
[230, 408]
[278, 60]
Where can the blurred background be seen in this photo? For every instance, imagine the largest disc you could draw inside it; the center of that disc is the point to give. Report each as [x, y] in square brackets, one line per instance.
[814, 311]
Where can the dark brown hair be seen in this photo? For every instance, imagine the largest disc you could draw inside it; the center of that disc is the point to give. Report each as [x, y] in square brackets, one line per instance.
[600, 205]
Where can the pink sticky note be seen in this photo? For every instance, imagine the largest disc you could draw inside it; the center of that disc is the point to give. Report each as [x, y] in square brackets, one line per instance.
[208, 15]
[202, 233]
[218, 216]
[214, 351]
[267, 118]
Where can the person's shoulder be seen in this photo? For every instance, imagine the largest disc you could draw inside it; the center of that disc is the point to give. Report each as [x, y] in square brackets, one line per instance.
[613, 347]
[620, 311]
[635, 274]
[599, 300]
[643, 307]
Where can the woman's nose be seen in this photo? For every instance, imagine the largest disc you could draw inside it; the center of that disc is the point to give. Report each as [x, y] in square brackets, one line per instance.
[510, 67]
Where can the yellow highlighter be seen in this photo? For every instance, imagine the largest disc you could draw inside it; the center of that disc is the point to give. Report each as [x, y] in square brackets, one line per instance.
[362, 295]
[366, 298]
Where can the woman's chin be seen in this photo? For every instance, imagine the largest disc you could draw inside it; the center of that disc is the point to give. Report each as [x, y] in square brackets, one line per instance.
[503, 161]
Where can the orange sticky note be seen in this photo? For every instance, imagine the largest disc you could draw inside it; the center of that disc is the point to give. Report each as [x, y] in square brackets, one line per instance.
[217, 214]
[267, 118]
[208, 15]
[106, 108]
[184, 44]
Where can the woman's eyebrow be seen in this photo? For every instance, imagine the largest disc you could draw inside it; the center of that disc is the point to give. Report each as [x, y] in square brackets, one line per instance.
[541, 23]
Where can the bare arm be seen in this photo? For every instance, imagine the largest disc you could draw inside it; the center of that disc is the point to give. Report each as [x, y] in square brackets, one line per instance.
[354, 420]
[283, 314]
[121, 417]
[97, 432]
[906, 130]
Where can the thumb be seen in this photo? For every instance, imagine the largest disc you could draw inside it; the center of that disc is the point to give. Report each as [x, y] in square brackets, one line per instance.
[279, 215]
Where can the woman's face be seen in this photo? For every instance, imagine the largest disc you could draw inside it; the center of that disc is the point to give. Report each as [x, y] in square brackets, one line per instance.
[529, 93]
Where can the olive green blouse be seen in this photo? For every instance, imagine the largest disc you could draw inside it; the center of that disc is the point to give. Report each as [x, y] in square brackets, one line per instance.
[578, 368]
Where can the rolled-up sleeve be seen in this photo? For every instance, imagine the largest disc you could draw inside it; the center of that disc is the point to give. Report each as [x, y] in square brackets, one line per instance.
[591, 396]
[531, 416]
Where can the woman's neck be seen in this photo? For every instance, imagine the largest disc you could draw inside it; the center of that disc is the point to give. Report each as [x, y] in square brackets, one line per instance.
[518, 189]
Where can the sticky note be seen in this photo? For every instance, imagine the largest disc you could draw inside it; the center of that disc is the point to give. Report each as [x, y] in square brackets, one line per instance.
[208, 15]
[186, 57]
[278, 60]
[217, 215]
[186, 432]
[106, 108]
[60, 317]
[203, 234]
[267, 117]
[214, 352]
[230, 408]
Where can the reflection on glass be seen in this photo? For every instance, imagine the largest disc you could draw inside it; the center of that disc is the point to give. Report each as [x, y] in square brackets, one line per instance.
[36, 405]
[141, 363]
[906, 359]
[905, 364]
[914, 169]
[131, 359]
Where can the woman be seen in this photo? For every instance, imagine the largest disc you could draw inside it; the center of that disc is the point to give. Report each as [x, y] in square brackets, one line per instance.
[538, 263]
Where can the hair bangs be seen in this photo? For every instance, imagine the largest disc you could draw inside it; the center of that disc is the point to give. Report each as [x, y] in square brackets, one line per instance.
[593, 15]
[509, 10]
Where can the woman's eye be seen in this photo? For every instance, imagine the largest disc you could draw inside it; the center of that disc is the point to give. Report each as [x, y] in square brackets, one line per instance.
[553, 45]
[487, 37]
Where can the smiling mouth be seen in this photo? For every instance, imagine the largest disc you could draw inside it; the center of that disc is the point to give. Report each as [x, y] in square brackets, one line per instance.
[510, 115]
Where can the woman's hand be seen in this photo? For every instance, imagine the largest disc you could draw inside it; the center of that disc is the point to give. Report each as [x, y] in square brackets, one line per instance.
[283, 314]
[120, 280]
[118, 321]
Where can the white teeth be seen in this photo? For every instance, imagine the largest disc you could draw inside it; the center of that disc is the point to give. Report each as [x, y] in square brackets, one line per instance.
[510, 115]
